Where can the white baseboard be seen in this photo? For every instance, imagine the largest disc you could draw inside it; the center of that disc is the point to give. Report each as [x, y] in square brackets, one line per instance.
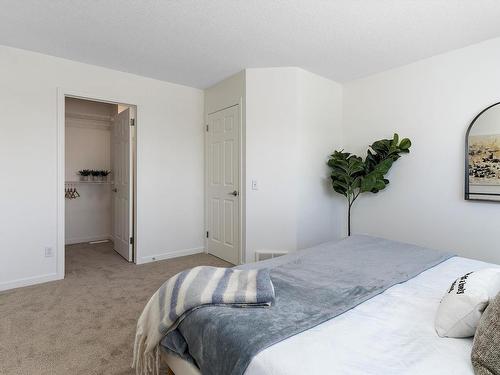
[72, 241]
[54, 276]
[170, 254]
[30, 281]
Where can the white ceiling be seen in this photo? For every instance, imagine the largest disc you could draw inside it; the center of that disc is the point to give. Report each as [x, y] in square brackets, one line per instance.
[200, 42]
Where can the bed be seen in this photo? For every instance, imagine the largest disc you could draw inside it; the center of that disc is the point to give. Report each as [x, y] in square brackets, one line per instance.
[390, 333]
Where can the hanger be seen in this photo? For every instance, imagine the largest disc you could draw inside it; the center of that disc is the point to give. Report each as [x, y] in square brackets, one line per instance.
[70, 192]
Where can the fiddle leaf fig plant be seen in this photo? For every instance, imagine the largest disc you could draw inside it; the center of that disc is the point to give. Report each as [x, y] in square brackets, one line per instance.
[351, 175]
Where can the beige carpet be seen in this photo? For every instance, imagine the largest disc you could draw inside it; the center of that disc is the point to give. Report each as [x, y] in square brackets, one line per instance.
[85, 323]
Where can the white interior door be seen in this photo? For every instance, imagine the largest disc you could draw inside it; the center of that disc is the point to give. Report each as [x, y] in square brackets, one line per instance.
[122, 185]
[223, 184]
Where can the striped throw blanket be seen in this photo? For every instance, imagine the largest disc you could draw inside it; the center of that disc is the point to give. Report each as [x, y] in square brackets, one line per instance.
[187, 291]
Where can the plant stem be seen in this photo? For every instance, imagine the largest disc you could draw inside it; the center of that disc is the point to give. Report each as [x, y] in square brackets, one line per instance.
[350, 202]
[349, 219]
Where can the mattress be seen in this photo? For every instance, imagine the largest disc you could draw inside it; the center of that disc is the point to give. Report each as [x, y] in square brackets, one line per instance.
[392, 333]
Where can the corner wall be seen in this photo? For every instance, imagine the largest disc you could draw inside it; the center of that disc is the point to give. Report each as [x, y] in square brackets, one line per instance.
[320, 210]
[271, 160]
[293, 124]
[432, 102]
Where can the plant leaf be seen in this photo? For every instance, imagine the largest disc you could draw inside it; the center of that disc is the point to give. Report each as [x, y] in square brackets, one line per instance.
[351, 175]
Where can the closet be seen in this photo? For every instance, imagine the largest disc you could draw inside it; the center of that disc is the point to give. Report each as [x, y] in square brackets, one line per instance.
[98, 174]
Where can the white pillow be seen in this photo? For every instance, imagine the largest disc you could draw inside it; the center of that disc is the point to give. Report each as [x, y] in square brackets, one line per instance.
[460, 309]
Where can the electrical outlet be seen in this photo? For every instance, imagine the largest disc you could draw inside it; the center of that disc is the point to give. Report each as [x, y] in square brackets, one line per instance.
[49, 252]
[255, 185]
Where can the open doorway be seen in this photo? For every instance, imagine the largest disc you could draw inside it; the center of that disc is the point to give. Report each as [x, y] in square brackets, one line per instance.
[99, 160]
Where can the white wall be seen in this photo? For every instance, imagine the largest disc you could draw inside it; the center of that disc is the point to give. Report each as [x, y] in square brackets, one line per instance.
[226, 93]
[271, 159]
[432, 102]
[293, 123]
[319, 134]
[86, 148]
[87, 136]
[169, 163]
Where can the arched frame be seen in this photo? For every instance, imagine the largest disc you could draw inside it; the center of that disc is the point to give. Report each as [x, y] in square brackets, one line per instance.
[467, 193]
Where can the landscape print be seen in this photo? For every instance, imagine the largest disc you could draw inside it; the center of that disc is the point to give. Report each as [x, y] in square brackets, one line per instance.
[484, 159]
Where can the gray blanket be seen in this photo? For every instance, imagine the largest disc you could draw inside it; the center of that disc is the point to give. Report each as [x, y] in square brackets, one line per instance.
[189, 290]
[311, 287]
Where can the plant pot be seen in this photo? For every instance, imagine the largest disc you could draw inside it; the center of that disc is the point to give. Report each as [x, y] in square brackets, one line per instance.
[84, 178]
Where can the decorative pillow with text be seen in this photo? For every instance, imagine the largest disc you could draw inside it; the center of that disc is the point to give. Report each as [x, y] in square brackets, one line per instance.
[461, 308]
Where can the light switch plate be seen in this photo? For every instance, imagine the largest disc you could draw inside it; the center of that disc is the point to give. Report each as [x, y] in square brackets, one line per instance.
[255, 185]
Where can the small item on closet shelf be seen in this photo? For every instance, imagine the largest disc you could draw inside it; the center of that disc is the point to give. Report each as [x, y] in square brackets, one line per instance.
[103, 175]
[84, 174]
[95, 175]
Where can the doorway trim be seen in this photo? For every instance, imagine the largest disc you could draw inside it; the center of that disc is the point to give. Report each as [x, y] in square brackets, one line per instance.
[62, 94]
[242, 181]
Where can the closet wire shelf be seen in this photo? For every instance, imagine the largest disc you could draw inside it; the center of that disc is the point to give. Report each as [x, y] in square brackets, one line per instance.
[71, 191]
[89, 182]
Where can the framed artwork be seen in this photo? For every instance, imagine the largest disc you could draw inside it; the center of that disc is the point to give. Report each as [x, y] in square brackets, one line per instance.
[484, 159]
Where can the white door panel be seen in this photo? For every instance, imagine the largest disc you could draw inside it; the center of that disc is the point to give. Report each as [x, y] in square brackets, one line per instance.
[223, 175]
[120, 164]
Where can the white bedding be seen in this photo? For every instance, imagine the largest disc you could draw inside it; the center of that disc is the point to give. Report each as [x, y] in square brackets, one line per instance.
[392, 333]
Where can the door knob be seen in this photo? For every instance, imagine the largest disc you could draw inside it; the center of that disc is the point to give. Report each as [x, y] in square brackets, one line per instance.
[234, 193]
